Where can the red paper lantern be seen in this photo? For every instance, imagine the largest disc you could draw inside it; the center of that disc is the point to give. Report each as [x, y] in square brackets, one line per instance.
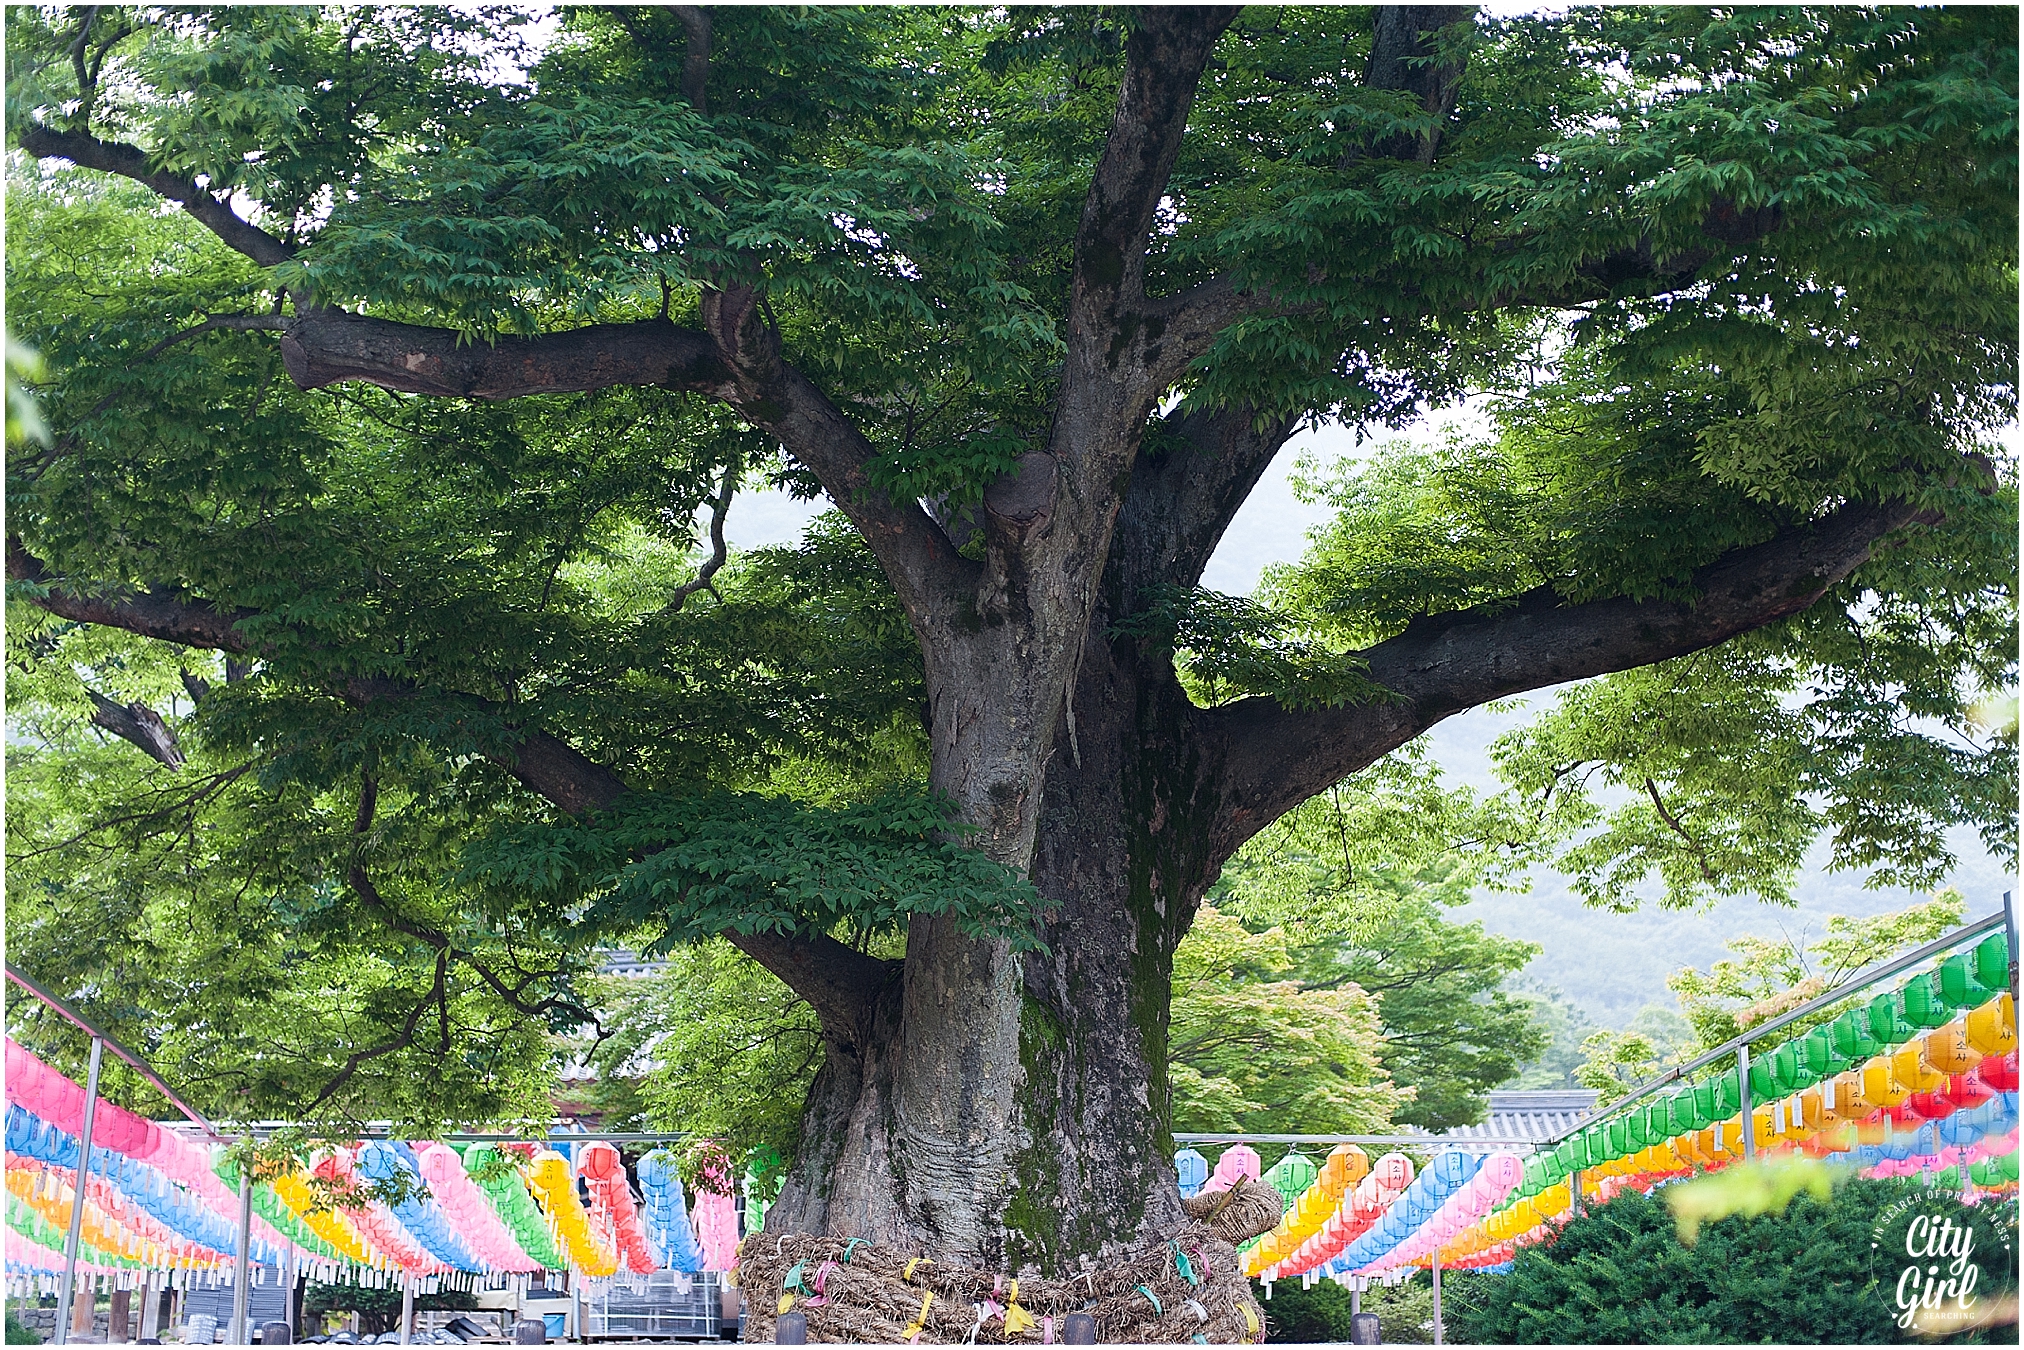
[1998, 1072]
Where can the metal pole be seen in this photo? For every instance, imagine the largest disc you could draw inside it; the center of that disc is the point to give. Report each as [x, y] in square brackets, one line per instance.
[70, 1243]
[1574, 1190]
[407, 1310]
[1438, 1330]
[2010, 936]
[1749, 1115]
[241, 1276]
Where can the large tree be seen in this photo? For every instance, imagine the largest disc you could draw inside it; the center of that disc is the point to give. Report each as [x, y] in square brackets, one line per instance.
[1035, 298]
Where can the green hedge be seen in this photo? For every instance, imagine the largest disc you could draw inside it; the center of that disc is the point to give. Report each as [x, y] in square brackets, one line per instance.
[1808, 1276]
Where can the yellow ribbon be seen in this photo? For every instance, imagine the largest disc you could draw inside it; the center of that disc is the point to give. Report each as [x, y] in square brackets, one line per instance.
[908, 1273]
[914, 1327]
[1017, 1320]
[1250, 1319]
[786, 1302]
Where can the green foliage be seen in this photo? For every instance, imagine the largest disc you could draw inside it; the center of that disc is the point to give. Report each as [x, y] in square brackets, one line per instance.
[1807, 1275]
[1250, 1049]
[1565, 1027]
[24, 418]
[203, 918]
[379, 1310]
[1614, 1062]
[710, 1044]
[747, 863]
[1405, 1312]
[1359, 880]
[1763, 1186]
[18, 1333]
[1771, 975]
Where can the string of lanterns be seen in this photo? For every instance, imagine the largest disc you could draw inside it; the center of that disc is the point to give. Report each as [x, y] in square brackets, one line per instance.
[1920, 1079]
[157, 1201]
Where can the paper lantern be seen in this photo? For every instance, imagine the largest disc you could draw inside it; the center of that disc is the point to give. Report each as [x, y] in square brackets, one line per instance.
[1998, 1072]
[1851, 1036]
[1992, 1028]
[1923, 1003]
[1192, 1169]
[1992, 962]
[1910, 1071]
[1958, 986]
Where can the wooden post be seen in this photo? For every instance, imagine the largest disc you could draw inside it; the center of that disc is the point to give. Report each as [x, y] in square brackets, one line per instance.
[116, 1325]
[82, 1308]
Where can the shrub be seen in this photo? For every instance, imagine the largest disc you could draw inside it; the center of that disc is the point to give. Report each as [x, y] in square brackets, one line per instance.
[1405, 1314]
[18, 1333]
[1810, 1275]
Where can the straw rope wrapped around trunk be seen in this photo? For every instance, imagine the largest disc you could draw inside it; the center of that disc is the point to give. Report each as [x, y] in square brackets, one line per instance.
[1185, 1288]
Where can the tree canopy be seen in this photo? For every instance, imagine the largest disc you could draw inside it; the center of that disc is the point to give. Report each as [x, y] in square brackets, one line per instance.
[411, 436]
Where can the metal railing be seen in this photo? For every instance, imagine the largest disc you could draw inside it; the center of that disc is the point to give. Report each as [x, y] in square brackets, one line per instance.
[1739, 1046]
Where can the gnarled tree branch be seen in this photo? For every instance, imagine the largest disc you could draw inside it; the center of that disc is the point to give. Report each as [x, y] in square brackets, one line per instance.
[1403, 57]
[543, 763]
[130, 161]
[1192, 475]
[1275, 758]
[840, 984]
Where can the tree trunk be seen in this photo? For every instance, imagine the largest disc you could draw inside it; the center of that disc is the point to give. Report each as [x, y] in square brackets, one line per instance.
[1011, 1111]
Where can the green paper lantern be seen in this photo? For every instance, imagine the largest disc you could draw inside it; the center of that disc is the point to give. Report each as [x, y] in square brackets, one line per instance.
[1728, 1095]
[1924, 1007]
[1821, 1058]
[1887, 1026]
[1763, 1081]
[1992, 964]
[1852, 1038]
[1292, 1175]
[1958, 986]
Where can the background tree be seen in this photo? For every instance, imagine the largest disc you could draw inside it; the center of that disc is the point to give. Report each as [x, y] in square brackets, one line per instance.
[1359, 879]
[1252, 1047]
[414, 405]
[1770, 977]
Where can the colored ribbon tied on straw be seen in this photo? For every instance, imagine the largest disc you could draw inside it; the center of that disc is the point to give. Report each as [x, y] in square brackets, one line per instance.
[1017, 1320]
[1250, 1320]
[1181, 1264]
[1154, 1301]
[915, 1327]
[908, 1274]
[821, 1274]
[791, 1283]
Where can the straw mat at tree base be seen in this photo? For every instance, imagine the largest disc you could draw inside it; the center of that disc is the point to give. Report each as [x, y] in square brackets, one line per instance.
[1178, 1290]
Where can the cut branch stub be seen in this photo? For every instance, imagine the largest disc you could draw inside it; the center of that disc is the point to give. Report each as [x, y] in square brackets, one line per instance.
[139, 725]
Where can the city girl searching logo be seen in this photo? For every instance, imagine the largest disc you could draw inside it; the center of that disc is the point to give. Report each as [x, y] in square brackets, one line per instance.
[1943, 1264]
